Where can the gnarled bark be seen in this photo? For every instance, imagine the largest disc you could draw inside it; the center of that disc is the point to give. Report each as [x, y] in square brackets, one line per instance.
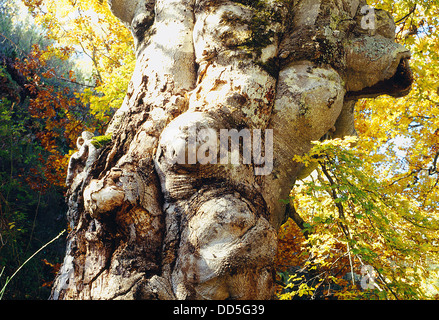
[144, 227]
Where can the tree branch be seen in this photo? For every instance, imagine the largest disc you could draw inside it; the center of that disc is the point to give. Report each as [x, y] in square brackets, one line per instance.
[334, 196]
[407, 15]
[292, 213]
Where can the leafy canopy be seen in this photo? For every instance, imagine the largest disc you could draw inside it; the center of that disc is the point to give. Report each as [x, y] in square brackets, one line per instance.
[101, 43]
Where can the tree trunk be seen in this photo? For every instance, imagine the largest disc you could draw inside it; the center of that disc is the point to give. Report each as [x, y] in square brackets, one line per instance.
[167, 209]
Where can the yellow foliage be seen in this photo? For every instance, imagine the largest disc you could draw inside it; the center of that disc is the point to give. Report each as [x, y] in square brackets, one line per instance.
[89, 28]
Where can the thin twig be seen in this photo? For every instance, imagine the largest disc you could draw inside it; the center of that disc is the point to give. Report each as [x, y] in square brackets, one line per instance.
[407, 15]
[350, 263]
[2, 291]
[34, 222]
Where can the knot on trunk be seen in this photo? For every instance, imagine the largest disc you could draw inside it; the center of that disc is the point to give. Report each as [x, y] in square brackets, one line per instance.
[82, 160]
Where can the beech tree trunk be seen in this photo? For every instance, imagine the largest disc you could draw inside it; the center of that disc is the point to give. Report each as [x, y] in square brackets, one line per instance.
[282, 73]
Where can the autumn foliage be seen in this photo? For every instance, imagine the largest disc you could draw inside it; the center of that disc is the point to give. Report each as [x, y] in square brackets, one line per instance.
[372, 202]
[52, 109]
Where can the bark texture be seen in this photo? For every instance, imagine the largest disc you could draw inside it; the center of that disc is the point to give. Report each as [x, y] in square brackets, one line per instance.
[146, 228]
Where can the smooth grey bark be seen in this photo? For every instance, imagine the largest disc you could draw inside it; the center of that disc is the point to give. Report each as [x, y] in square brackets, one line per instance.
[146, 228]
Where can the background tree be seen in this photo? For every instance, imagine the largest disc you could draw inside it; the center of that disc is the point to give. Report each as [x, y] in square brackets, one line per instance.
[391, 191]
[101, 43]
